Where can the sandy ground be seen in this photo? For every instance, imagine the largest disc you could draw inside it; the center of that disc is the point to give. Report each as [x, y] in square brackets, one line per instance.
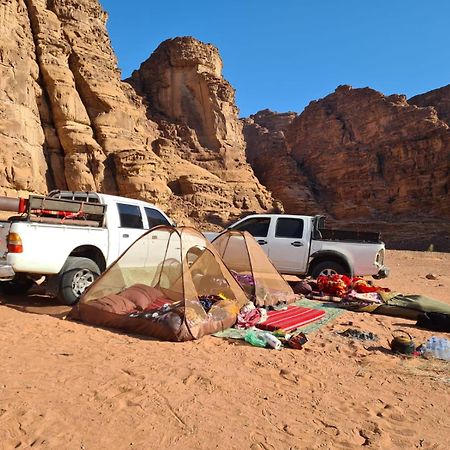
[65, 385]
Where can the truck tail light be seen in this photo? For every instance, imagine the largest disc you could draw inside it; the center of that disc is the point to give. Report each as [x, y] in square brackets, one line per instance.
[14, 243]
[380, 257]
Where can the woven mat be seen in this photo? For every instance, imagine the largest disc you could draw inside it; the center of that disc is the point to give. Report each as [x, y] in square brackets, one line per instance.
[331, 310]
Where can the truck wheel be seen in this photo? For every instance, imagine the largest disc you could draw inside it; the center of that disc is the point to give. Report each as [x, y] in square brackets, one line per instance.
[328, 268]
[17, 286]
[76, 275]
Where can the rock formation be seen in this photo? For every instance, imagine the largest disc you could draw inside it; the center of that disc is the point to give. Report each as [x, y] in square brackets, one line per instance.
[195, 107]
[366, 159]
[68, 121]
[373, 156]
[268, 154]
[171, 134]
[438, 98]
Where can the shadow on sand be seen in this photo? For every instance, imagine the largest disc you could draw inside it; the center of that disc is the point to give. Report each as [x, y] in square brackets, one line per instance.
[35, 302]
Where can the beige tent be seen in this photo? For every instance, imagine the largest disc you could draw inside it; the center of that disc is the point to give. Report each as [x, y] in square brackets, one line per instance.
[252, 269]
[170, 284]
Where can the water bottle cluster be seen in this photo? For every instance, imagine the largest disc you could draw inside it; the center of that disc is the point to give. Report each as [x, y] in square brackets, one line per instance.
[437, 348]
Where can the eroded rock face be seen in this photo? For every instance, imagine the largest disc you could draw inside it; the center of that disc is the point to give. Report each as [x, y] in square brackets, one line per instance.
[182, 81]
[437, 98]
[364, 159]
[68, 121]
[373, 156]
[195, 108]
[268, 154]
[23, 165]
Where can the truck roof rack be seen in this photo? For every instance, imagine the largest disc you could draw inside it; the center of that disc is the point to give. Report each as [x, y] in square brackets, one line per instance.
[58, 210]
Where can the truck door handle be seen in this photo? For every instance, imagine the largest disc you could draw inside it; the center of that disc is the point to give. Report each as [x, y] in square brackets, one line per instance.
[125, 235]
[297, 244]
[261, 242]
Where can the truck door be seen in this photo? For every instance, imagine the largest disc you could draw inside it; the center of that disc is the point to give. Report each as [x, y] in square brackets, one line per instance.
[258, 227]
[131, 225]
[288, 246]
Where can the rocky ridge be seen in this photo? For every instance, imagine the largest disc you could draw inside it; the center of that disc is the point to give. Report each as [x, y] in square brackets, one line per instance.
[171, 134]
[439, 99]
[365, 159]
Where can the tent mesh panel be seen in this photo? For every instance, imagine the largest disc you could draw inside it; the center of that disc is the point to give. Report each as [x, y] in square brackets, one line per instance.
[252, 268]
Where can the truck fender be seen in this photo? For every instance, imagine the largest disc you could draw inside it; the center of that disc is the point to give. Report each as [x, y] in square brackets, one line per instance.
[91, 252]
[329, 255]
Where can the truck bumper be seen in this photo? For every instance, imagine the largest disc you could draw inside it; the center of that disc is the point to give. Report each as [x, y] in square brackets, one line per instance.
[383, 272]
[6, 272]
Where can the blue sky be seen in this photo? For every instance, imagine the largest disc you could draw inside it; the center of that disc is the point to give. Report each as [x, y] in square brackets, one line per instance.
[283, 54]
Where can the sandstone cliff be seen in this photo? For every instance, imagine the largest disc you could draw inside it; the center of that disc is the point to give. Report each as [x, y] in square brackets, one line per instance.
[365, 159]
[373, 156]
[438, 98]
[195, 107]
[171, 134]
[274, 166]
[68, 121]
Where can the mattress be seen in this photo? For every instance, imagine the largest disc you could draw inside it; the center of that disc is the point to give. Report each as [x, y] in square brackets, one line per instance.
[291, 318]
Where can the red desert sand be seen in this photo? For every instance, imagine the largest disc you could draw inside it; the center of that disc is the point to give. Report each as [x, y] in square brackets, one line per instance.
[66, 385]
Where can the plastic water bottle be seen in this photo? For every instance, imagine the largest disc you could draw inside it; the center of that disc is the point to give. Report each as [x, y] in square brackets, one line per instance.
[438, 348]
[263, 339]
[272, 341]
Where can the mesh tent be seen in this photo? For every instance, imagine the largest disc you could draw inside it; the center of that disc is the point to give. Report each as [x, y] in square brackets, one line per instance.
[251, 267]
[170, 284]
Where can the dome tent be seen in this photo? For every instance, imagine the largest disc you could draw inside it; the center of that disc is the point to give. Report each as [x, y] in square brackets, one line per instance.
[170, 284]
[251, 267]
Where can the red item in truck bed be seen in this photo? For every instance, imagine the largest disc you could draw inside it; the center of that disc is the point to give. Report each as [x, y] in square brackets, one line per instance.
[291, 318]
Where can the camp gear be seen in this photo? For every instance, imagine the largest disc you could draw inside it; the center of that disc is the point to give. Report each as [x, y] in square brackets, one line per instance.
[290, 318]
[255, 338]
[173, 266]
[434, 321]
[297, 341]
[248, 318]
[397, 305]
[402, 344]
[252, 269]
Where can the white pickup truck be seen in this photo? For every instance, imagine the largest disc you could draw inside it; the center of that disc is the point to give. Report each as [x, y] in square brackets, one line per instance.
[300, 245]
[69, 237]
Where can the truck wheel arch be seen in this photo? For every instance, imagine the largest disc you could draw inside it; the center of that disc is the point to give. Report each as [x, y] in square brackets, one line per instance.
[91, 252]
[331, 256]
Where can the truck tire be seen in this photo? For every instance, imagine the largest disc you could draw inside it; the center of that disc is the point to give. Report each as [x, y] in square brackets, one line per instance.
[76, 275]
[17, 286]
[328, 268]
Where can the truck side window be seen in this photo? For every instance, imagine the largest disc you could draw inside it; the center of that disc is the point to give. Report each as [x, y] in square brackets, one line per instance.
[155, 218]
[289, 228]
[256, 227]
[130, 216]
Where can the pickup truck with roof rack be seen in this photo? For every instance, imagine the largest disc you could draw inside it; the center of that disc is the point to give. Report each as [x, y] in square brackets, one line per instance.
[301, 245]
[68, 237]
